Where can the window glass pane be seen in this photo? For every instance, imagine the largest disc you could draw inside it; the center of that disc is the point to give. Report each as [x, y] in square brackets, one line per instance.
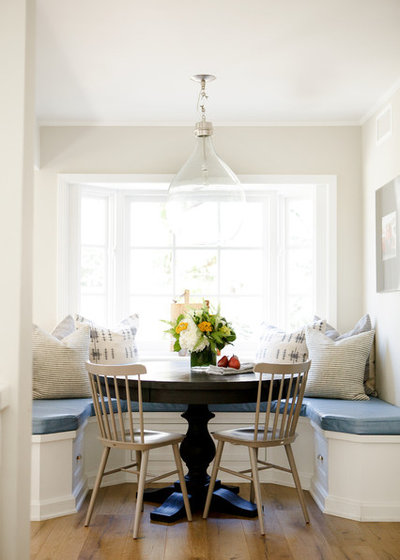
[93, 307]
[93, 220]
[150, 271]
[251, 232]
[149, 226]
[200, 224]
[93, 269]
[299, 214]
[196, 271]
[241, 271]
[299, 311]
[245, 314]
[299, 271]
[150, 336]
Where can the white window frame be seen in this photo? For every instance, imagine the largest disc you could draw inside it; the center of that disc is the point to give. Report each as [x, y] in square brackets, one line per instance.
[325, 245]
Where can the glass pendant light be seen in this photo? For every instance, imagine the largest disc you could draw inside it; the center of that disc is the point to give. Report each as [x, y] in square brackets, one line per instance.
[206, 202]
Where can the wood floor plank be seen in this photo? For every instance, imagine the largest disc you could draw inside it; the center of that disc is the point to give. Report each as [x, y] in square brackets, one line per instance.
[226, 538]
[384, 538]
[151, 542]
[106, 537]
[221, 537]
[185, 541]
[63, 532]
[42, 531]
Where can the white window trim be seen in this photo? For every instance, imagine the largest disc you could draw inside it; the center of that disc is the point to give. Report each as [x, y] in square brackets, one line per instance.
[326, 200]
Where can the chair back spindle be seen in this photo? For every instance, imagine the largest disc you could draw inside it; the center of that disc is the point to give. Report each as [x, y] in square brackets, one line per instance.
[283, 397]
[115, 417]
[116, 421]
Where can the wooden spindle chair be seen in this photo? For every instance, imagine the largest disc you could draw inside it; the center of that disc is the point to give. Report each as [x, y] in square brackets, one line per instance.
[276, 426]
[125, 430]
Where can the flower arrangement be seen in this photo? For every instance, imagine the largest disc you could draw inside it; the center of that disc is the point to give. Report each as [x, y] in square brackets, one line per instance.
[196, 330]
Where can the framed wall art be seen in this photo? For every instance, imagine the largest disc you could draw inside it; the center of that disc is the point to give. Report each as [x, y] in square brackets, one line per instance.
[387, 204]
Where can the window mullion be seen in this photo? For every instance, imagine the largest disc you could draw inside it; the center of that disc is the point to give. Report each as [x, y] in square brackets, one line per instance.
[74, 248]
[120, 229]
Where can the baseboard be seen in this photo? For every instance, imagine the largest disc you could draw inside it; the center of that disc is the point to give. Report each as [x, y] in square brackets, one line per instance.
[354, 509]
[285, 479]
[319, 495]
[362, 511]
[111, 480]
[55, 507]
[80, 492]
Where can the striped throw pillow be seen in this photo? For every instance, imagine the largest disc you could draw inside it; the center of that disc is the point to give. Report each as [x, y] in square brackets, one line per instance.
[363, 325]
[337, 367]
[59, 365]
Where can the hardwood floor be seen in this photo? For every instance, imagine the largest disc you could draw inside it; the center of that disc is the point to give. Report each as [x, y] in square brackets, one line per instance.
[219, 538]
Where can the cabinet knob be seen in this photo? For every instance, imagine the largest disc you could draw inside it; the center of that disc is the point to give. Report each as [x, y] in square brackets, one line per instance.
[320, 458]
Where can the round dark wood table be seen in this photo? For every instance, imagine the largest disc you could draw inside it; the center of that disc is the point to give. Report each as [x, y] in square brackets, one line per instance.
[172, 381]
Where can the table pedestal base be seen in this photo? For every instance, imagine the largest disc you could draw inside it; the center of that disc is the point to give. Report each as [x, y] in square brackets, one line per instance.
[225, 500]
[197, 451]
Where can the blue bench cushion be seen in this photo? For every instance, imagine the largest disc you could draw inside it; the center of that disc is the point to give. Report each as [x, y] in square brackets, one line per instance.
[59, 415]
[50, 416]
[373, 417]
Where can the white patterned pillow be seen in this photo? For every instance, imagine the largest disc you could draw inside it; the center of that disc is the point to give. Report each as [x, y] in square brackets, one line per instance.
[59, 365]
[112, 346]
[277, 346]
[337, 367]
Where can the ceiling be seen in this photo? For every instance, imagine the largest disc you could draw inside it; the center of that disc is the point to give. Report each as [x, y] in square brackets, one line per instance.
[276, 61]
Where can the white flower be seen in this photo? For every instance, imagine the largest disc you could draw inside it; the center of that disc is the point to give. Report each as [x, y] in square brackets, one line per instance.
[192, 338]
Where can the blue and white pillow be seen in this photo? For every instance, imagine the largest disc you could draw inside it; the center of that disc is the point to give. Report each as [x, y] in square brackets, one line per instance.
[277, 346]
[112, 346]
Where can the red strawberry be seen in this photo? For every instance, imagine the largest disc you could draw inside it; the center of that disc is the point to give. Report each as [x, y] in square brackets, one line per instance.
[234, 362]
[223, 362]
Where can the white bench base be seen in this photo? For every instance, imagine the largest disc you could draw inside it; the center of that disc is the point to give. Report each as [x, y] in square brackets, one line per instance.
[350, 476]
[356, 476]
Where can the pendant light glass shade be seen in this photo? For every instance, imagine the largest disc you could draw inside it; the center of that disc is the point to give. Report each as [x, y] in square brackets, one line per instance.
[206, 202]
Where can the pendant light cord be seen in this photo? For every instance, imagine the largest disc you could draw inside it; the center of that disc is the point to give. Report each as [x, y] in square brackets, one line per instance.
[202, 100]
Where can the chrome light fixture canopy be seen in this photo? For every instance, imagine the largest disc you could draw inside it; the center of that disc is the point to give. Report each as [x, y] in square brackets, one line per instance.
[206, 202]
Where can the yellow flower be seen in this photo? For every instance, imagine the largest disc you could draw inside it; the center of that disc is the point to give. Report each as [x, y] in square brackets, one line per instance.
[205, 326]
[226, 331]
[181, 327]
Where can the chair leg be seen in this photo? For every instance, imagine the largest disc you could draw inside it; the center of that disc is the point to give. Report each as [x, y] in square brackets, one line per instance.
[256, 483]
[182, 481]
[252, 495]
[213, 478]
[138, 463]
[296, 479]
[102, 466]
[138, 460]
[139, 499]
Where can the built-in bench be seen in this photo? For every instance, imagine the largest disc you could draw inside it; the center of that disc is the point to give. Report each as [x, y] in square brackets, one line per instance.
[347, 453]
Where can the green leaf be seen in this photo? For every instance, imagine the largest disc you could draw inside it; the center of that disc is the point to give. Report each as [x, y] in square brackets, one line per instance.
[180, 318]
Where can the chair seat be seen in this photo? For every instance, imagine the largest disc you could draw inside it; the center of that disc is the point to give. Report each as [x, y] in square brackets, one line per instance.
[245, 436]
[152, 439]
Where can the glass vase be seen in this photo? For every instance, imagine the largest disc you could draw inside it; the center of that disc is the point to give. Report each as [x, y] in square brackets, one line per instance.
[199, 361]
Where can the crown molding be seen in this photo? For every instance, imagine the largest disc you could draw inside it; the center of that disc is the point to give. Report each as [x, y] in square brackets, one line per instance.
[191, 124]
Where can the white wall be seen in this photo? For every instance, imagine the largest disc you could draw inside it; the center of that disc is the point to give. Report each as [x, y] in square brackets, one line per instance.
[16, 158]
[248, 150]
[381, 163]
